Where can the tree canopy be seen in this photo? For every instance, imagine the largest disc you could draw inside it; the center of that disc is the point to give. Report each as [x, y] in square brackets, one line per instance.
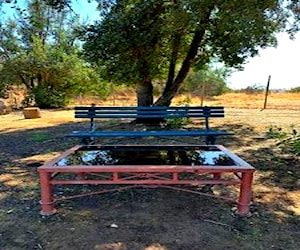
[38, 50]
[140, 42]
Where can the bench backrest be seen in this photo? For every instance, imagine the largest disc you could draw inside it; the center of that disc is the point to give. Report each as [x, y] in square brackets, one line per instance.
[153, 112]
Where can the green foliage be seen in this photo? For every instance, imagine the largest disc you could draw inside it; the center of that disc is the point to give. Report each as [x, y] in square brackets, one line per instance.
[45, 97]
[135, 25]
[178, 123]
[39, 52]
[295, 145]
[287, 141]
[253, 89]
[185, 102]
[276, 133]
[39, 137]
[209, 82]
[295, 90]
[58, 4]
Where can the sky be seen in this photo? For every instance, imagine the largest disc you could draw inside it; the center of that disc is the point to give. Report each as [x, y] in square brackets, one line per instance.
[280, 63]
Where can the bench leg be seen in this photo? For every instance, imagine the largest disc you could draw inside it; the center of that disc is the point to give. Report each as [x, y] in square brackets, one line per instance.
[244, 202]
[210, 140]
[47, 200]
[81, 176]
[87, 141]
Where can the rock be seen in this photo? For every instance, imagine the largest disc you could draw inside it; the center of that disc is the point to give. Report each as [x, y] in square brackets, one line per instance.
[114, 225]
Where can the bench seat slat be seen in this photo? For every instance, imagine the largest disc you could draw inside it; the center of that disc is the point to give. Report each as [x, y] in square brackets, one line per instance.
[162, 112]
[82, 134]
[183, 112]
[145, 109]
[148, 108]
[154, 116]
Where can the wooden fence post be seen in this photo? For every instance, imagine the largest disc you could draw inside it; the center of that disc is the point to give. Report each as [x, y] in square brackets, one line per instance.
[266, 93]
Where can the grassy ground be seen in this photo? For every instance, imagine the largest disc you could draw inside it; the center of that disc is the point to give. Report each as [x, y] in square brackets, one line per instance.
[154, 219]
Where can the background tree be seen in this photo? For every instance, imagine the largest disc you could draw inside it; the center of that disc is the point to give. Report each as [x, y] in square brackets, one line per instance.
[142, 41]
[295, 90]
[206, 82]
[254, 88]
[38, 50]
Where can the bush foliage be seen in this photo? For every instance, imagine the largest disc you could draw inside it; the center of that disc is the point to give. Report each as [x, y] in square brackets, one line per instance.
[288, 141]
[295, 90]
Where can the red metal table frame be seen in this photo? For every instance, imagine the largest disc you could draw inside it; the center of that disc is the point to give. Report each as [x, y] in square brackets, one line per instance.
[132, 176]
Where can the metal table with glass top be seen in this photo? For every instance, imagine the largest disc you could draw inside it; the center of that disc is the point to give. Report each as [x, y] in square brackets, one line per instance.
[119, 167]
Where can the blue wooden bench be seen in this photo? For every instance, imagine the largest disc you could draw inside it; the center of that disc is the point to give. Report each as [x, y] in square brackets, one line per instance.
[149, 114]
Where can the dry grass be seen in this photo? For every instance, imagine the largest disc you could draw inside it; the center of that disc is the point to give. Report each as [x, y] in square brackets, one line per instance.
[290, 101]
[285, 101]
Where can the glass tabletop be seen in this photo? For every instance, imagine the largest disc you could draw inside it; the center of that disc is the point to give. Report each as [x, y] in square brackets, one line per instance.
[207, 155]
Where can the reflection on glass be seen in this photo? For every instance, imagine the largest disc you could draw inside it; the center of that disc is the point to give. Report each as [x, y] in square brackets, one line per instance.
[146, 155]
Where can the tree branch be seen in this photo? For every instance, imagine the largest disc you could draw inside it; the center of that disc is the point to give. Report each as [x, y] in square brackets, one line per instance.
[172, 88]
[24, 81]
[175, 49]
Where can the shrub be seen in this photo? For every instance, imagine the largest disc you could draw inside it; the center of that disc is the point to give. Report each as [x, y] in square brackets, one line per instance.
[49, 98]
[295, 90]
[287, 141]
[276, 133]
[178, 123]
[253, 89]
[210, 82]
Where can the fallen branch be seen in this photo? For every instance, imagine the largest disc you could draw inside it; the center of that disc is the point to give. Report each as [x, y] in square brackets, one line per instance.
[219, 223]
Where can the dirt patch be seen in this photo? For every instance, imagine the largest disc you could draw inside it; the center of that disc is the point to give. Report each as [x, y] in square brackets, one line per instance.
[147, 219]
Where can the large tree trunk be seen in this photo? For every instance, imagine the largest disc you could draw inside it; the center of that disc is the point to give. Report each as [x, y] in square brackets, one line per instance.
[145, 98]
[144, 92]
[173, 85]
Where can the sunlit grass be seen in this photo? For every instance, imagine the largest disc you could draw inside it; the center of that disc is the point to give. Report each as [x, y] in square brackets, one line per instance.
[233, 100]
[39, 137]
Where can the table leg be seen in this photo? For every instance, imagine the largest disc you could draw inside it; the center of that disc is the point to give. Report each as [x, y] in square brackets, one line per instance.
[244, 202]
[47, 200]
[217, 176]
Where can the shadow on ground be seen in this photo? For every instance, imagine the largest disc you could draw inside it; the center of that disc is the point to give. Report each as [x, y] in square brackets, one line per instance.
[148, 219]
